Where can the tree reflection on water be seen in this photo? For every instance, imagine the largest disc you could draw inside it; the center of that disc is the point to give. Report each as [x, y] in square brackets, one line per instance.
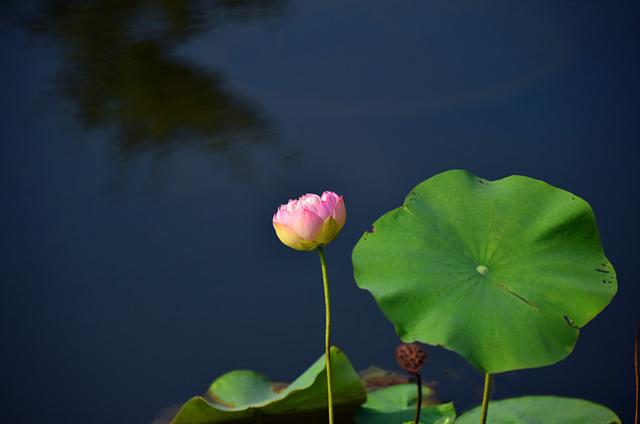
[121, 70]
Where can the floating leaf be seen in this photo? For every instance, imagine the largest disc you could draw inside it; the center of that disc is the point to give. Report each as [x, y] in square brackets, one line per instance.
[245, 396]
[504, 272]
[542, 410]
[397, 404]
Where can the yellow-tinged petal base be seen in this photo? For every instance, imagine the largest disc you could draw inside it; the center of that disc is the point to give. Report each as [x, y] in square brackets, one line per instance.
[292, 239]
[329, 231]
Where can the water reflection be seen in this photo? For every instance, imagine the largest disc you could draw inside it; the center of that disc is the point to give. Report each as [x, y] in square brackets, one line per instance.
[122, 71]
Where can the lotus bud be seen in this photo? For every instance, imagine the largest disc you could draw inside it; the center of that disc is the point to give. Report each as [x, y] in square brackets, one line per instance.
[411, 357]
[310, 221]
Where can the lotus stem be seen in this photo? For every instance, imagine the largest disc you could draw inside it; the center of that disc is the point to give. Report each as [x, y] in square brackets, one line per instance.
[635, 367]
[411, 357]
[327, 334]
[485, 398]
[419, 399]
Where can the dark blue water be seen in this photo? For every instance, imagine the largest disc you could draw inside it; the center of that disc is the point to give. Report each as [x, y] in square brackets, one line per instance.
[146, 144]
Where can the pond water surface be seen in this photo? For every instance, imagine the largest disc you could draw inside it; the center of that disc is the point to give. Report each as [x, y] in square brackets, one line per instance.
[145, 145]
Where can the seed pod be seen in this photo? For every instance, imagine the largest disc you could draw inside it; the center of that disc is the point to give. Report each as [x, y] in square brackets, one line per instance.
[411, 357]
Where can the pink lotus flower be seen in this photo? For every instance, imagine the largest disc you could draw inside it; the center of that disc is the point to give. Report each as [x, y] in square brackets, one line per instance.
[310, 221]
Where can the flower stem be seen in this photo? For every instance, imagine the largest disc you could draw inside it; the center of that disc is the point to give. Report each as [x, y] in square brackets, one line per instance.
[635, 367]
[327, 333]
[485, 398]
[419, 399]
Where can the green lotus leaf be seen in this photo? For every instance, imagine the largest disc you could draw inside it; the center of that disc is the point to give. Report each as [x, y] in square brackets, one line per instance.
[504, 272]
[246, 396]
[542, 410]
[395, 398]
[397, 404]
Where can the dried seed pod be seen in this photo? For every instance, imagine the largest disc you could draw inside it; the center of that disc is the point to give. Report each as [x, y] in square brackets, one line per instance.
[411, 357]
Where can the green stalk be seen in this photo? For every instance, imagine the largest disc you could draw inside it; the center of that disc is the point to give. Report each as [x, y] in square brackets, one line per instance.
[485, 398]
[327, 333]
[419, 403]
[635, 367]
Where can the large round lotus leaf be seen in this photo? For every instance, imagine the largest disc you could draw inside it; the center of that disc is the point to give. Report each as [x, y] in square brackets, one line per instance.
[503, 272]
[542, 410]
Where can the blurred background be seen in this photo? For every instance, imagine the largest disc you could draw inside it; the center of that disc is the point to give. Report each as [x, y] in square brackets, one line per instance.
[146, 144]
